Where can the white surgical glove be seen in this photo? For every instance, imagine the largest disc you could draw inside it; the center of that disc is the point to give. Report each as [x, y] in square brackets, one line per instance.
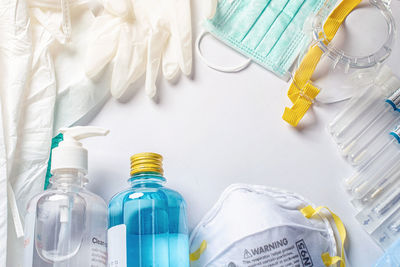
[209, 8]
[151, 33]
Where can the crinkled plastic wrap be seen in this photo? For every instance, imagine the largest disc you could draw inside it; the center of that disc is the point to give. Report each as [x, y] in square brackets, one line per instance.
[41, 52]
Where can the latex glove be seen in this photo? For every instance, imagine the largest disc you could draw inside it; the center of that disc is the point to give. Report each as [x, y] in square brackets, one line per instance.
[150, 34]
[117, 38]
[209, 8]
[170, 38]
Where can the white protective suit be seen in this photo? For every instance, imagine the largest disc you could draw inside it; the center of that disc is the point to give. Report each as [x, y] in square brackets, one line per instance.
[42, 43]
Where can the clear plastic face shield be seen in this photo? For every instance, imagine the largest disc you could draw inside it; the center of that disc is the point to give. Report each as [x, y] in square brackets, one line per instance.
[348, 47]
[363, 42]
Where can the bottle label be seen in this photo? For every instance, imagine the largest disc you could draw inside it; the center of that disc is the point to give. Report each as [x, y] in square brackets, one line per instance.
[97, 249]
[117, 246]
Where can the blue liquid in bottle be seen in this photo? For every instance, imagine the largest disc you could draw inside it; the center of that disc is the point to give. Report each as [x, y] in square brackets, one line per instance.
[154, 217]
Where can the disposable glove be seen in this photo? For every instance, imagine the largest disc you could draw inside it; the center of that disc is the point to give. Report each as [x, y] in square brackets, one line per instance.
[141, 35]
[209, 8]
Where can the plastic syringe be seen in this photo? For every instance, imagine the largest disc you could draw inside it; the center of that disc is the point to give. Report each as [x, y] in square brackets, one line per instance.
[375, 91]
[373, 109]
[390, 180]
[384, 164]
[362, 148]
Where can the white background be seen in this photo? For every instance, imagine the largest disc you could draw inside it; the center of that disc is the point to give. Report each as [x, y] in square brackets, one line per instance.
[215, 129]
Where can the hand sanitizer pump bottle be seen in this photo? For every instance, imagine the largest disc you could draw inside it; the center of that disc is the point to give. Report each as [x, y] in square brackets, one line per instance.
[66, 226]
[147, 222]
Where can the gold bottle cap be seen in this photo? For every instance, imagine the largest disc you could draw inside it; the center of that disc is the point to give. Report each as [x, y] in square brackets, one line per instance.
[146, 162]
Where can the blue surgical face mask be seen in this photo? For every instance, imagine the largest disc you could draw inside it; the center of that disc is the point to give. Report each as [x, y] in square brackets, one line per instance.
[391, 257]
[269, 32]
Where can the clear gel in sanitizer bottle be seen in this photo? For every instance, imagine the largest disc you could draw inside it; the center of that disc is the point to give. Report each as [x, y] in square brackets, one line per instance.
[147, 222]
[66, 226]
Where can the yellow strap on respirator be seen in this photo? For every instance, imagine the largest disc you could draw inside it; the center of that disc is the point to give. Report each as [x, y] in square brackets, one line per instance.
[196, 255]
[327, 259]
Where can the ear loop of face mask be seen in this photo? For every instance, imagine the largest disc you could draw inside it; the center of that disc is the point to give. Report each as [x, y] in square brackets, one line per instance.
[217, 67]
[301, 92]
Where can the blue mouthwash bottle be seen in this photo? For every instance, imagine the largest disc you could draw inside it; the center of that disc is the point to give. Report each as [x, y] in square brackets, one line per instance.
[147, 222]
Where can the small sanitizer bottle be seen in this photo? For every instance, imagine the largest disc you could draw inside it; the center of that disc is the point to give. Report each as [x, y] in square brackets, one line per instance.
[147, 222]
[66, 226]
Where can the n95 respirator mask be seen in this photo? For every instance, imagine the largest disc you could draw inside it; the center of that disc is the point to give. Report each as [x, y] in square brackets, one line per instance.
[254, 225]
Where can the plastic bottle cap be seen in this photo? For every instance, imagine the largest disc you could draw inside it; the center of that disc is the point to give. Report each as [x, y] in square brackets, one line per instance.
[146, 162]
[70, 154]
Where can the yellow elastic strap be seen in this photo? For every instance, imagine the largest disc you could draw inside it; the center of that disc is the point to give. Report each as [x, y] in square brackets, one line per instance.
[337, 17]
[327, 259]
[303, 102]
[304, 72]
[196, 255]
[299, 91]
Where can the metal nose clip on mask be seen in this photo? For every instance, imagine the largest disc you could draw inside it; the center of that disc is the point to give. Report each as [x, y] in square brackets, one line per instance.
[256, 225]
[269, 32]
[303, 91]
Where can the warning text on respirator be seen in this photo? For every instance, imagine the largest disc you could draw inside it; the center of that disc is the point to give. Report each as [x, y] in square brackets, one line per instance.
[285, 256]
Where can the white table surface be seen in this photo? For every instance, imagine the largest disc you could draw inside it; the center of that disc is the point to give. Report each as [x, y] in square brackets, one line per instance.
[215, 129]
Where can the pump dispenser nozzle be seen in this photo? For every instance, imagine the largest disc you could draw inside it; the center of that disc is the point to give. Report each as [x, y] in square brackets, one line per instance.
[70, 154]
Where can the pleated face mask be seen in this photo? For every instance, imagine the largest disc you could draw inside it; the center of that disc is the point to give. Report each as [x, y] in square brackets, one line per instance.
[269, 32]
[258, 226]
